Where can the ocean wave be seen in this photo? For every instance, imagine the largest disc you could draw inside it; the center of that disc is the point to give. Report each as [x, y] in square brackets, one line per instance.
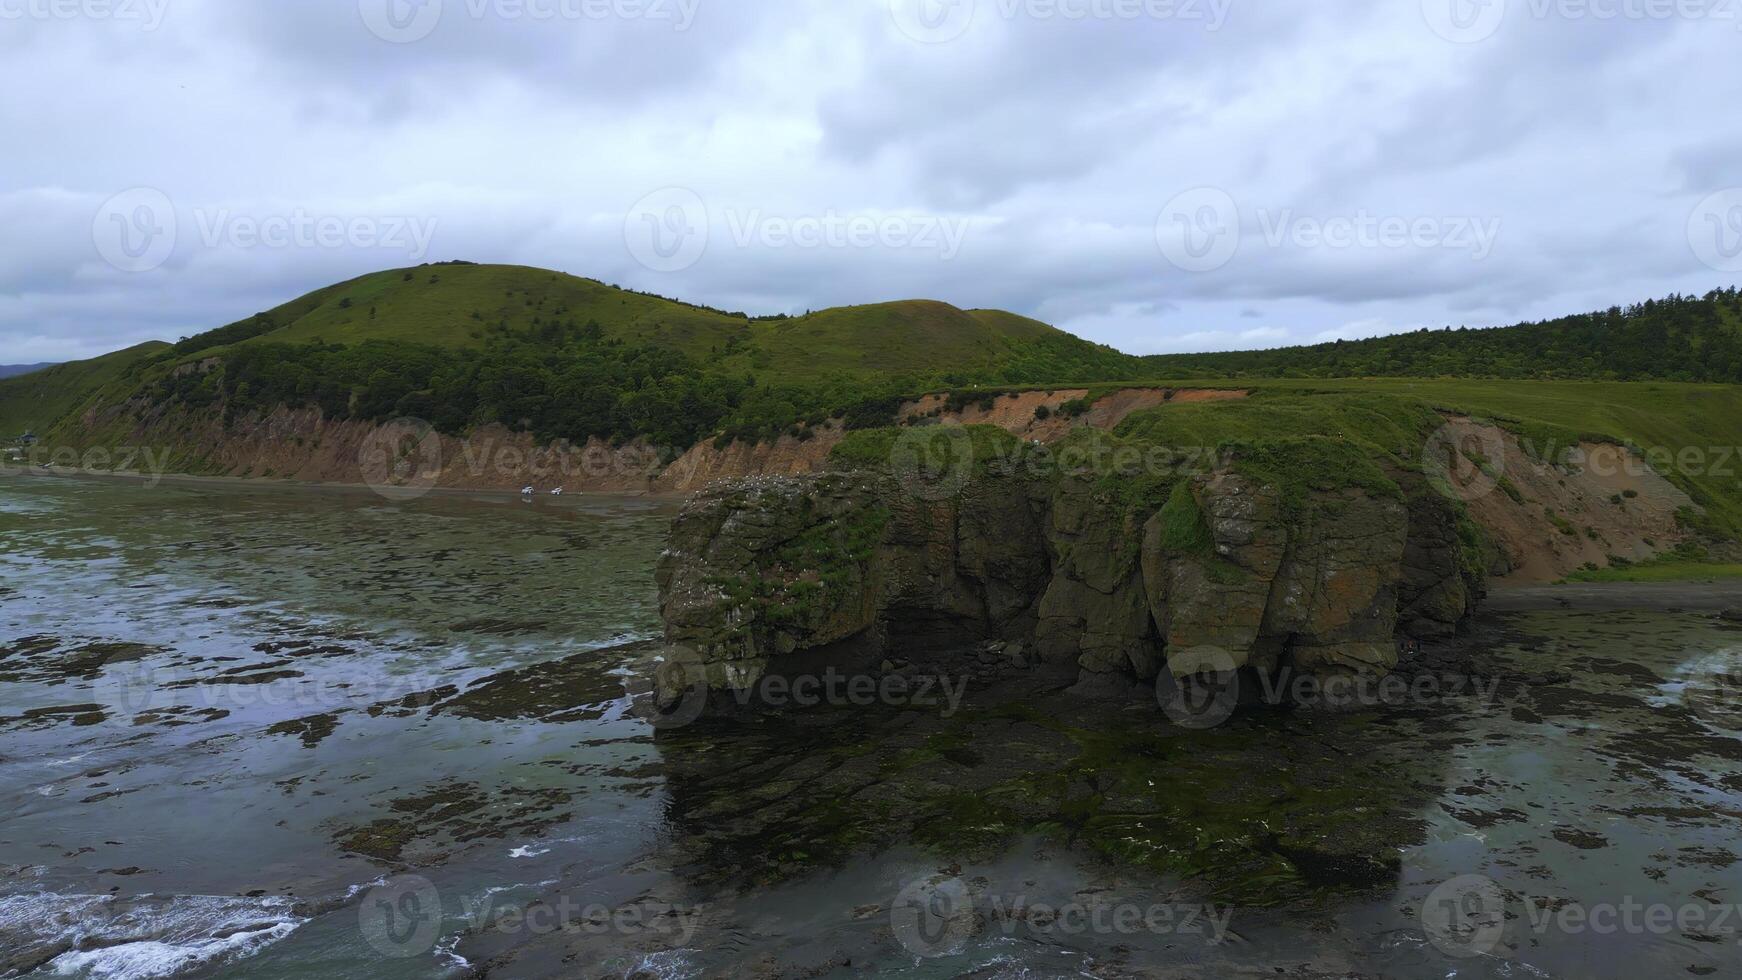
[106, 938]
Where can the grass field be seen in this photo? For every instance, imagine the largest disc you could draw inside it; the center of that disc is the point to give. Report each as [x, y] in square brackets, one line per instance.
[1701, 424]
[457, 305]
[1674, 571]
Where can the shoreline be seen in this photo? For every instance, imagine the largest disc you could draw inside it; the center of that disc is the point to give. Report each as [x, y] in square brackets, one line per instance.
[324, 486]
[1687, 595]
[1681, 596]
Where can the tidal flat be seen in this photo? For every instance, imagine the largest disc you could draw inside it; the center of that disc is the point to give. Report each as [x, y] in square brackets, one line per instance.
[251, 732]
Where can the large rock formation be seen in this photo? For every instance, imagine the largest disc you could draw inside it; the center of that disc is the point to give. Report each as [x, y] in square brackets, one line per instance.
[852, 569]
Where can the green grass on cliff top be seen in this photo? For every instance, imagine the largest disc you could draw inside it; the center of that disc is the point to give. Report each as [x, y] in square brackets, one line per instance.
[1702, 419]
[1397, 415]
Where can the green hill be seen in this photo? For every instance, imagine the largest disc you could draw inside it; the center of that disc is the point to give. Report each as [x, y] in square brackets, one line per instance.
[565, 357]
[35, 401]
[472, 306]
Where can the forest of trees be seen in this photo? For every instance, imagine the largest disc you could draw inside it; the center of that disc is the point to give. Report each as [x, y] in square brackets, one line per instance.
[1681, 338]
[565, 382]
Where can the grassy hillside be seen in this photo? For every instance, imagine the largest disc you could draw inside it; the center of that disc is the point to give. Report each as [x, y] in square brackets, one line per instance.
[924, 338]
[463, 305]
[460, 305]
[35, 401]
[14, 370]
[565, 357]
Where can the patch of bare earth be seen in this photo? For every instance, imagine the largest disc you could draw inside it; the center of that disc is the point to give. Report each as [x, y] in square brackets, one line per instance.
[1016, 412]
[1550, 520]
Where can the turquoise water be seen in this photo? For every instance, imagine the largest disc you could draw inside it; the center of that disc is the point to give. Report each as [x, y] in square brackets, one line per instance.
[284, 733]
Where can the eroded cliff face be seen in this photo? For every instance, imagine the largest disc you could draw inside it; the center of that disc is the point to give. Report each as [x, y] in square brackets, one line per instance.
[302, 445]
[852, 570]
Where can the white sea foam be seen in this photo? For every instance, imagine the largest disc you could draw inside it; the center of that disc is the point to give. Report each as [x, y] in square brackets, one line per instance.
[144, 960]
[673, 964]
[150, 936]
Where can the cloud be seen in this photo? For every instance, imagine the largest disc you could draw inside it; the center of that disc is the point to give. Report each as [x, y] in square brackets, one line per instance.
[1052, 142]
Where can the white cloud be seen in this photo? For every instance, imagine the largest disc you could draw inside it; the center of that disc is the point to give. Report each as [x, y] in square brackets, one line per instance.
[1056, 141]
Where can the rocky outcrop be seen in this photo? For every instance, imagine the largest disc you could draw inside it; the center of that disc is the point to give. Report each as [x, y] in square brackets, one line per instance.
[1315, 588]
[852, 571]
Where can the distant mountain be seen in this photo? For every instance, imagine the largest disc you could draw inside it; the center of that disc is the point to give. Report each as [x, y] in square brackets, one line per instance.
[13, 370]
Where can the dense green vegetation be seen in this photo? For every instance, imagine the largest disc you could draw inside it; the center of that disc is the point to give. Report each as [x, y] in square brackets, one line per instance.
[1680, 338]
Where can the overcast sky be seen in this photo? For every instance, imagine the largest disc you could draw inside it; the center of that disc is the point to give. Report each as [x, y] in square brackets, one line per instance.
[1160, 175]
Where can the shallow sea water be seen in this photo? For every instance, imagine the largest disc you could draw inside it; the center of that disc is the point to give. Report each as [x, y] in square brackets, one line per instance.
[285, 733]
